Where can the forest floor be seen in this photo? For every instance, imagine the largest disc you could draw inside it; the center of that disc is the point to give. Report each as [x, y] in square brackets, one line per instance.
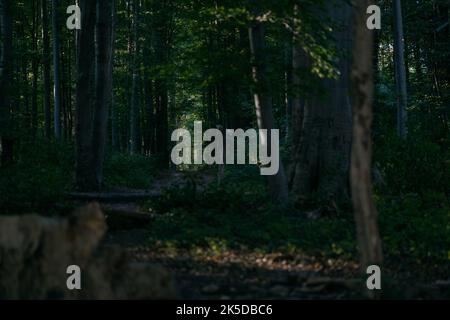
[217, 271]
[244, 274]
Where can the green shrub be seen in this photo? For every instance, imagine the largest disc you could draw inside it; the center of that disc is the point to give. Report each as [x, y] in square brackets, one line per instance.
[38, 179]
[130, 171]
[414, 229]
[414, 165]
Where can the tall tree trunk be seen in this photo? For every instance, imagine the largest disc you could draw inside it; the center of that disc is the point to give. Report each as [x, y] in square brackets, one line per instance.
[162, 123]
[46, 65]
[263, 102]
[22, 73]
[69, 88]
[288, 78]
[103, 87]
[85, 176]
[161, 46]
[211, 107]
[114, 138]
[376, 52]
[35, 68]
[362, 78]
[6, 79]
[148, 95]
[134, 107]
[56, 70]
[321, 153]
[299, 60]
[400, 71]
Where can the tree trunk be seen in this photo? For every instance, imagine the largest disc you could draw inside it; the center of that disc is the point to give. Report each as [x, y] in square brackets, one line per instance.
[162, 123]
[85, 176]
[114, 142]
[56, 69]
[103, 87]
[148, 95]
[46, 65]
[35, 69]
[263, 104]
[161, 90]
[288, 76]
[321, 149]
[299, 60]
[6, 79]
[69, 88]
[376, 52]
[134, 107]
[362, 78]
[400, 71]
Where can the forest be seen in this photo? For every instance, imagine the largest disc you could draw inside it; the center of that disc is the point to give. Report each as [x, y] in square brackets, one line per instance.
[87, 177]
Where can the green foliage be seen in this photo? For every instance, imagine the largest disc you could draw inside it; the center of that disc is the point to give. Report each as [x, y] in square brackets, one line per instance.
[416, 230]
[38, 179]
[238, 214]
[414, 165]
[43, 173]
[129, 171]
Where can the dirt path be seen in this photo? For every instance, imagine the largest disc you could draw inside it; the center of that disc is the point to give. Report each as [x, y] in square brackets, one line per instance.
[244, 275]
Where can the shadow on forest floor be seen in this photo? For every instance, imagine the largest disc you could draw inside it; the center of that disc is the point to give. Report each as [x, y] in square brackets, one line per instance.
[242, 274]
[229, 243]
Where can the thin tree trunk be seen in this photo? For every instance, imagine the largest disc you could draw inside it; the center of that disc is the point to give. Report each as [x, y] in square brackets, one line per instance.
[163, 120]
[148, 94]
[263, 104]
[376, 52]
[288, 74]
[69, 88]
[6, 79]
[46, 65]
[299, 60]
[134, 107]
[114, 137]
[35, 68]
[361, 181]
[56, 70]
[161, 33]
[22, 72]
[400, 71]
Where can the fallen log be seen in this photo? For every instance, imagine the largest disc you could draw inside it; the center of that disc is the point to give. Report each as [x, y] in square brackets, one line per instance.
[114, 196]
[137, 217]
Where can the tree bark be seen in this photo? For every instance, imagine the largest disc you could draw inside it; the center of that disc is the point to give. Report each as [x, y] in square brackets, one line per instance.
[288, 74]
[103, 87]
[114, 138]
[299, 60]
[46, 69]
[263, 102]
[321, 146]
[161, 32]
[85, 176]
[6, 79]
[56, 70]
[134, 107]
[35, 69]
[148, 95]
[361, 181]
[400, 71]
